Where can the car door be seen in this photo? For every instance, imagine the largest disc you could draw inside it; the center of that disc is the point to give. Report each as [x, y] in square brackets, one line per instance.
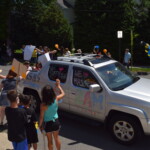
[82, 101]
[60, 71]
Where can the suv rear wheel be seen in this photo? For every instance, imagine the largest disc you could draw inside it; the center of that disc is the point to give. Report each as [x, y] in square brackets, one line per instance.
[125, 129]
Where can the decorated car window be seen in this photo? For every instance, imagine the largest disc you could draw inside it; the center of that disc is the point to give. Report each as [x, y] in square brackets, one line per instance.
[83, 78]
[58, 71]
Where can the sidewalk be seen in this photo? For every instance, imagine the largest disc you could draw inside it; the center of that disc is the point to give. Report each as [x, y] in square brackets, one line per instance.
[7, 145]
[4, 143]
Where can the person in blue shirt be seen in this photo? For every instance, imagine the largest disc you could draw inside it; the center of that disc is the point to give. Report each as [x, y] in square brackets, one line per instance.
[127, 58]
[49, 116]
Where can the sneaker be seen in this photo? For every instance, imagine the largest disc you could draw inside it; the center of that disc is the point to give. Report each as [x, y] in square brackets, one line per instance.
[5, 125]
[1, 127]
[1, 123]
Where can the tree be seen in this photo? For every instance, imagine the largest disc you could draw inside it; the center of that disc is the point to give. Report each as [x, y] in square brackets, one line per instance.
[98, 23]
[143, 30]
[35, 22]
[5, 8]
[23, 22]
[53, 27]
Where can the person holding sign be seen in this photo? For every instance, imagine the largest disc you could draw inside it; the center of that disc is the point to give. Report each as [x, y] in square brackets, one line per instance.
[49, 115]
[56, 52]
[2, 76]
[7, 84]
[35, 53]
[30, 51]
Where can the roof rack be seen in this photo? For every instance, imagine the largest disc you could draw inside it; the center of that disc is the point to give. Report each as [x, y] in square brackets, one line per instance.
[86, 59]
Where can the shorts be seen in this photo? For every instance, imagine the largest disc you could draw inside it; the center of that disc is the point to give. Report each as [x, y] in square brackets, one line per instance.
[32, 136]
[51, 126]
[23, 145]
[4, 100]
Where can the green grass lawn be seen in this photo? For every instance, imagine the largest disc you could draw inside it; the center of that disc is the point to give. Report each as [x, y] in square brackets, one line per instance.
[138, 69]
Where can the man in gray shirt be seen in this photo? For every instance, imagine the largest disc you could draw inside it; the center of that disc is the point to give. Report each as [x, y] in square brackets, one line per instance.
[127, 58]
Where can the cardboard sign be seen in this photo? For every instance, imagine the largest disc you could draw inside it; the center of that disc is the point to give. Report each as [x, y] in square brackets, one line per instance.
[28, 50]
[43, 59]
[15, 66]
[19, 68]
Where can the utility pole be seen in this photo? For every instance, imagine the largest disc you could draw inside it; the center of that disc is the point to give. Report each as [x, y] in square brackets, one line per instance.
[119, 36]
[131, 36]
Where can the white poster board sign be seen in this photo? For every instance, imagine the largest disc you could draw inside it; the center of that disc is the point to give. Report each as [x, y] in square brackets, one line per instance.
[19, 68]
[28, 50]
[43, 59]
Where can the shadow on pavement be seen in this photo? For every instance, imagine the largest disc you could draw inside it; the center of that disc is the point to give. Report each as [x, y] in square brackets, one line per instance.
[86, 132]
[3, 128]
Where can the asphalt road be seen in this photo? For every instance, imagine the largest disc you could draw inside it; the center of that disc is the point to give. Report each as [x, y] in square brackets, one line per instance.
[80, 134]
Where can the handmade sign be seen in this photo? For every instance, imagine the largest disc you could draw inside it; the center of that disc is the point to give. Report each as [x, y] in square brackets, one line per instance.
[58, 72]
[43, 59]
[28, 50]
[19, 68]
[147, 47]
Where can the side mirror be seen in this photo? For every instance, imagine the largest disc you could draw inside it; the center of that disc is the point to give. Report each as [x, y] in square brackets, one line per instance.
[95, 88]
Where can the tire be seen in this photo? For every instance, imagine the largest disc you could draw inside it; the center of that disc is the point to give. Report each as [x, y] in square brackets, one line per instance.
[125, 129]
[35, 101]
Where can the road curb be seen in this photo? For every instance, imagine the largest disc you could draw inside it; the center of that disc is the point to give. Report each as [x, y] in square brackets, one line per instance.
[142, 73]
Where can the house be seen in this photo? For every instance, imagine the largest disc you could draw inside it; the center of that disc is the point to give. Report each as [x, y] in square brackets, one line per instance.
[67, 7]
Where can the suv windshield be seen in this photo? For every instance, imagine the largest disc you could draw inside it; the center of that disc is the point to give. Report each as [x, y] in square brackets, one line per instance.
[116, 76]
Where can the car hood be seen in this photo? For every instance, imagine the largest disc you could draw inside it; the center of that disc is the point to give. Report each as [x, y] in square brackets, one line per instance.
[139, 90]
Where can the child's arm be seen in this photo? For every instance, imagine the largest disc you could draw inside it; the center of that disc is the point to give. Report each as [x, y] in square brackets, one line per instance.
[2, 76]
[62, 93]
[1, 86]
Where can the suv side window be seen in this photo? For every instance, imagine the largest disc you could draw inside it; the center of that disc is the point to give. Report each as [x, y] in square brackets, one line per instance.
[83, 78]
[58, 71]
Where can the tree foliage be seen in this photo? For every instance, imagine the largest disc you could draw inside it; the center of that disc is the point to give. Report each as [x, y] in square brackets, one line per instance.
[37, 22]
[98, 23]
[5, 8]
[53, 27]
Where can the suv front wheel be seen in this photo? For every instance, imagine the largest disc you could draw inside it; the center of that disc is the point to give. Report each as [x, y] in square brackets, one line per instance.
[125, 129]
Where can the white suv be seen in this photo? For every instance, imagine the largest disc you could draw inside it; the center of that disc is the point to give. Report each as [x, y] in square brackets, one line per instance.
[97, 88]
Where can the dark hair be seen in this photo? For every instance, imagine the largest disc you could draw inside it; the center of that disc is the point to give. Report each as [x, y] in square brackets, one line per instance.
[21, 98]
[25, 99]
[26, 62]
[48, 95]
[11, 74]
[12, 95]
